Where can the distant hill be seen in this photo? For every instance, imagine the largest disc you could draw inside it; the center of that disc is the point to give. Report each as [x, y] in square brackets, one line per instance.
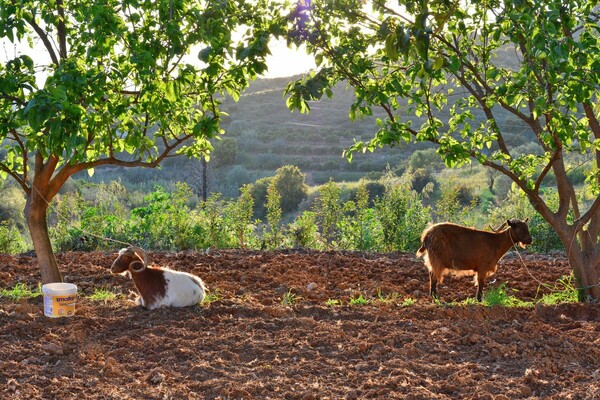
[263, 135]
[266, 136]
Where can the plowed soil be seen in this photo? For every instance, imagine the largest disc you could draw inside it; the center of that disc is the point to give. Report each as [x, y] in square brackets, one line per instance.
[248, 344]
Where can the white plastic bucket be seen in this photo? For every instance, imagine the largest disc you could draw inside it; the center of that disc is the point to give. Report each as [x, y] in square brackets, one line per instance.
[59, 299]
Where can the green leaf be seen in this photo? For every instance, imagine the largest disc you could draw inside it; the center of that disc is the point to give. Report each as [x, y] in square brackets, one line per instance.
[171, 91]
[391, 48]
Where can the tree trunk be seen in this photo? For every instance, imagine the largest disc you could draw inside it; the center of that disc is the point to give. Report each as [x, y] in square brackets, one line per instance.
[587, 279]
[586, 273]
[204, 189]
[35, 213]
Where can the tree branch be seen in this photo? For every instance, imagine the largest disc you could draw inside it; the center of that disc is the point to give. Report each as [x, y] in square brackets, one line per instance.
[24, 151]
[15, 99]
[588, 216]
[69, 170]
[61, 29]
[19, 179]
[44, 38]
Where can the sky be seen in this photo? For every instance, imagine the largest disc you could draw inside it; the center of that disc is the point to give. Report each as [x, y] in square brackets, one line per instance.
[287, 62]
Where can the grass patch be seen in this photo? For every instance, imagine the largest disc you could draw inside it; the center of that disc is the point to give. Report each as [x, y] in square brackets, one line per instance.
[20, 291]
[563, 291]
[102, 295]
[498, 295]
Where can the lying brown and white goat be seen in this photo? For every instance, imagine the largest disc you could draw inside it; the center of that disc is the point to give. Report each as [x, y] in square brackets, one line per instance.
[158, 286]
[453, 249]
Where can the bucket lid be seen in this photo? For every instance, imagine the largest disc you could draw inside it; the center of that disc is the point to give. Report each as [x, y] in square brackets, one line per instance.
[59, 287]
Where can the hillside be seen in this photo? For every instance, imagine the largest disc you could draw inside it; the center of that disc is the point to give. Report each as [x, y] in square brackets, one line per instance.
[266, 136]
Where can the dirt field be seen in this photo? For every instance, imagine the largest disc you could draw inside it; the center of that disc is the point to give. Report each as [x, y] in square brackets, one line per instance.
[246, 344]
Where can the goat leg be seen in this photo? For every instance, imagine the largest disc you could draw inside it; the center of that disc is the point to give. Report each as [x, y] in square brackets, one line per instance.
[432, 285]
[480, 283]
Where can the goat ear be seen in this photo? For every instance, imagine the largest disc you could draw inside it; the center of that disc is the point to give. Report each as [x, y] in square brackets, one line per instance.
[526, 220]
[509, 222]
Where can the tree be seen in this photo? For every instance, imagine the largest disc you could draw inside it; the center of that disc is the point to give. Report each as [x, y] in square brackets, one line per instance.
[452, 72]
[123, 86]
[290, 182]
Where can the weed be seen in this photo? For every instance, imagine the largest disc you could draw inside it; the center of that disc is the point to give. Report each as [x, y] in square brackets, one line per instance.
[289, 298]
[333, 302]
[104, 295]
[386, 298]
[409, 301]
[562, 292]
[498, 296]
[213, 295]
[359, 301]
[20, 291]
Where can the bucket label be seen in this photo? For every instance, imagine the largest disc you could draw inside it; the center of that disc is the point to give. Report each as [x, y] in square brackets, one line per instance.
[60, 306]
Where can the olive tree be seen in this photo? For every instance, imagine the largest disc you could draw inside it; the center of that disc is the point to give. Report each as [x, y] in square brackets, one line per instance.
[453, 72]
[125, 83]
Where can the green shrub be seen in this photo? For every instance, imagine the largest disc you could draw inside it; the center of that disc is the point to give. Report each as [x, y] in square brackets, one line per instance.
[166, 222]
[210, 228]
[11, 241]
[303, 231]
[290, 183]
[359, 228]
[273, 237]
[455, 203]
[238, 215]
[403, 218]
[328, 210]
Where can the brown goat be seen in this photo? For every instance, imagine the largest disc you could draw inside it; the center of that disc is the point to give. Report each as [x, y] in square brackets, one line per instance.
[453, 249]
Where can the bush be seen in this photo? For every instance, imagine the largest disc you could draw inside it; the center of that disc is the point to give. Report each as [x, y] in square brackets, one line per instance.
[303, 231]
[290, 184]
[403, 218]
[12, 206]
[455, 203]
[238, 215]
[359, 227]
[258, 190]
[273, 238]
[328, 210]
[420, 178]
[11, 241]
[166, 222]
[225, 152]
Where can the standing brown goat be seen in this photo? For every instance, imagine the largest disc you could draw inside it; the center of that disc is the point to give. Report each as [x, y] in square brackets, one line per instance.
[453, 249]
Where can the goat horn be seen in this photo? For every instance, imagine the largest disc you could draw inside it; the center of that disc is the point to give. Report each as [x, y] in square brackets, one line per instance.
[499, 228]
[137, 251]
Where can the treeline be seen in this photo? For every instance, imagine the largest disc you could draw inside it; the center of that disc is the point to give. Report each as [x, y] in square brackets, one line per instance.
[382, 215]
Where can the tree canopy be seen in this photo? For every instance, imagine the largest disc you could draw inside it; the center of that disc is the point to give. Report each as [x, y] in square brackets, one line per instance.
[125, 83]
[454, 72]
